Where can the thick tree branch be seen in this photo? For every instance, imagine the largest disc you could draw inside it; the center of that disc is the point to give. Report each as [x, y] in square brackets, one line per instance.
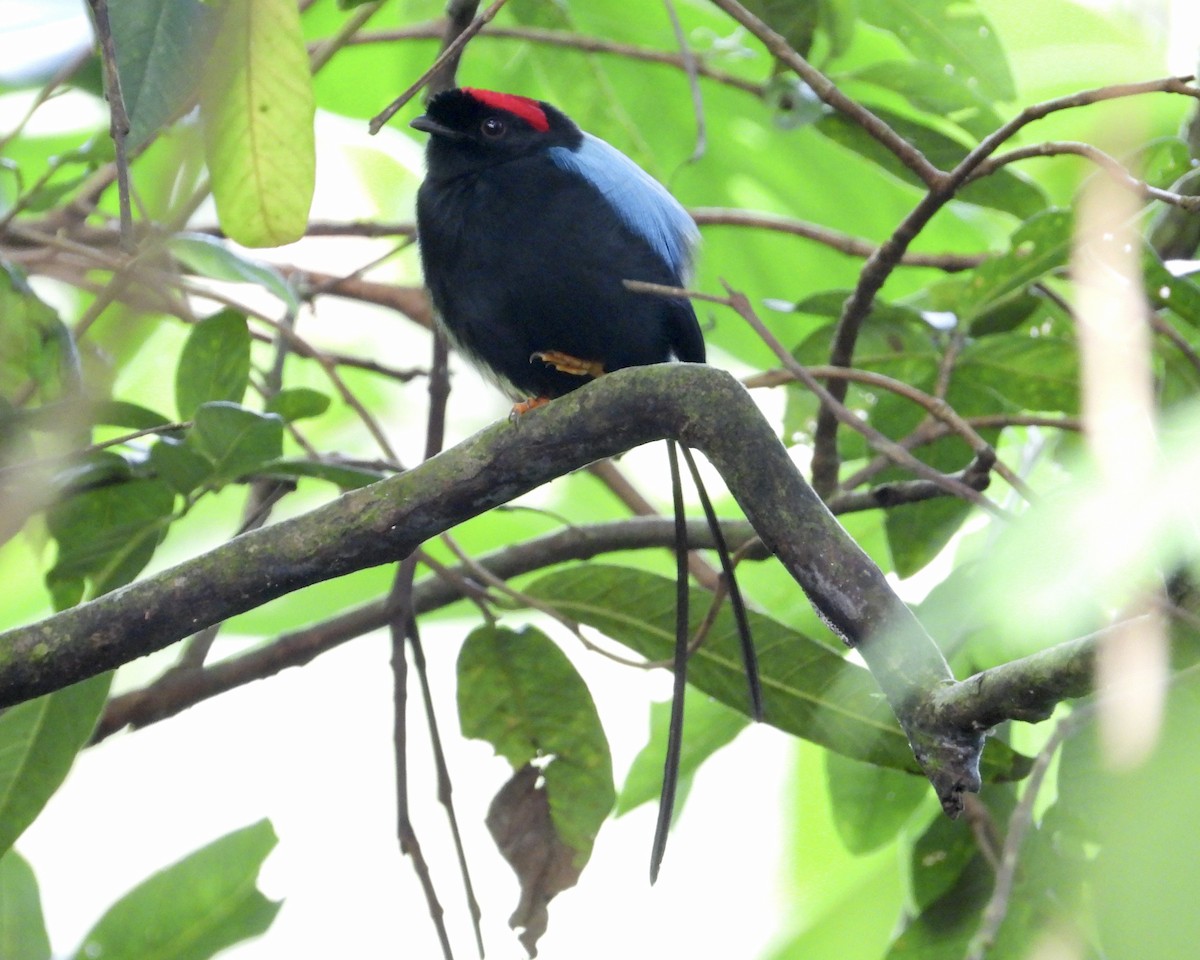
[697, 405]
[175, 692]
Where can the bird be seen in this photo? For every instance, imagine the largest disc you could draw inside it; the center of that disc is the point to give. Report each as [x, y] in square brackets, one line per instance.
[527, 228]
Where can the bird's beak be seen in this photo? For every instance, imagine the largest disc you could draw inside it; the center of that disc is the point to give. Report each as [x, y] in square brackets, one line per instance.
[426, 125]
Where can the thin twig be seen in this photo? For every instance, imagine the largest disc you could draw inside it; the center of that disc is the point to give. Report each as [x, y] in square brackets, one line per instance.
[834, 239]
[1018, 825]
[825, 88]
[880, 265]
[570, 41]
[459, 14]
[609, 474]
[60, 76]
[936, 407]
[738, 302]
[690, 68]
[93, 448]
[451, 51]
[403, 626]
[355, 22]
[1108, 163]
[119, 119]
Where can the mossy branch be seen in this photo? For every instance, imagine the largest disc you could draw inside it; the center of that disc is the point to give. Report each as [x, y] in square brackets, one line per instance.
[700, 406]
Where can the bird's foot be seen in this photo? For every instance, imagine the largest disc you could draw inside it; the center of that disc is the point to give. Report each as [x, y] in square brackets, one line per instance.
[526, 405]
[565, 363]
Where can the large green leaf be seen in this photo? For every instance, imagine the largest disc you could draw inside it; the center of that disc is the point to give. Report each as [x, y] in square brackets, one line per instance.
[258, 110]
[345, 476]
[1004, 190]
[808, 690]
[214, 258]
[1038, 247]
[709, 726]
[520, 693]
[109, 533]
[22, 928]
[930, 89]
[953, 35]
[870, 804]
[214, 364]
[160, 46]
[193, 909]
[236, 441]
[298, 403]
[1023, 372]
[38, 743]
[36, 351]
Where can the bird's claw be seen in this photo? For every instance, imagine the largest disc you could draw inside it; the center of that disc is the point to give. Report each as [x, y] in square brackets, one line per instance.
[565, 363]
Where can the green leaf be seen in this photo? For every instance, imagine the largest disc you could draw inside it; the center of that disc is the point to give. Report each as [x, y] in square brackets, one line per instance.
[1038, 247]
[109, 533]
[870, 804]
[121, 413]
[895, 340]
[210, 257]
[1180, 295]
[837, 19]
[258, 108]
[952, 35]
[708, 726]
[236, 441]
[519, 692]
[192, 910]
[38, 743]
[1004, 190]
[1162, 162]
[36, 349]
[214, 364]
[930, 89]
[298, 403]
[1024, 372]
[808, 690]
[160, 46]
[22, 928]
[1137, 820]
[180, 466]
[796, 22]
[918, 532]
[346, 477]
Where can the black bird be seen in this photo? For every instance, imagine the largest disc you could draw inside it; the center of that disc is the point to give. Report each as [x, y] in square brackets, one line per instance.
[528, 227]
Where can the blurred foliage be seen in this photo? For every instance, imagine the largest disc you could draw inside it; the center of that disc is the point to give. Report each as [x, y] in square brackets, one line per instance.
[236, 371]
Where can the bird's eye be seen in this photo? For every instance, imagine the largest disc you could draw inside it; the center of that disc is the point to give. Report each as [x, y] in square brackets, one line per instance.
[493, 128]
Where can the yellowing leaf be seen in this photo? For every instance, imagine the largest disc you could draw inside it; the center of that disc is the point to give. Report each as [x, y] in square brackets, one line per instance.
[258, 108]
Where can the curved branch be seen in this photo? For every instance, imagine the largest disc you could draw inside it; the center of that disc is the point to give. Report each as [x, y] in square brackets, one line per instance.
[1108, 163]
[702, 407]
[834, 239]
[176, 691]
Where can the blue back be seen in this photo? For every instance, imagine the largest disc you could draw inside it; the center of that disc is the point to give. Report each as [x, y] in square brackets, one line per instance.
[643, 203]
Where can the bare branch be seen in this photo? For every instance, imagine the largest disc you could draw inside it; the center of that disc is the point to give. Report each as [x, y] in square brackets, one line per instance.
[448, 55]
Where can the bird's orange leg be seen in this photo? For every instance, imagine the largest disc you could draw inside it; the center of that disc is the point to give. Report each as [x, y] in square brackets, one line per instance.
[526, 405]
[563, 362]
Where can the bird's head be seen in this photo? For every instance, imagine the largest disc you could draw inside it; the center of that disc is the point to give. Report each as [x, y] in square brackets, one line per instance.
[471, 128]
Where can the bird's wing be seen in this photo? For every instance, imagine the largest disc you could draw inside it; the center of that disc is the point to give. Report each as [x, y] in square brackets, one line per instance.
[642, 203]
